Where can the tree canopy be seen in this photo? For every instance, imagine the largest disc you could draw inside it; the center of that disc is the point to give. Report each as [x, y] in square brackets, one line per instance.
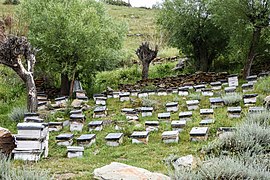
[75, 37]
[248, 22]
[193, 30]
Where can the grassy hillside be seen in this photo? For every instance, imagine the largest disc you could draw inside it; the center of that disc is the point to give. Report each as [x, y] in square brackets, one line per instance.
[150, 156]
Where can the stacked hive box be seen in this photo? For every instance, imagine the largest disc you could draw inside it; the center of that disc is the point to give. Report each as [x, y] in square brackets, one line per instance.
[32, 141]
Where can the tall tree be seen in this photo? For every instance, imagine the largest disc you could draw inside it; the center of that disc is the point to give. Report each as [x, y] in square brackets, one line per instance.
[76, 37]
[190, 24]
[18, 54]
[248, 21]
[146, 56]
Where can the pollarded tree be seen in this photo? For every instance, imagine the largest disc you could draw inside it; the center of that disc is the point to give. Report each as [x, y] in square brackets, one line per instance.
[76, 37]
[17, 53]
[248, 21]
[146, 56]
[192, 29]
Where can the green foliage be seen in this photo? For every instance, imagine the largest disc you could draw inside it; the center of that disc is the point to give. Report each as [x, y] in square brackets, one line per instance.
[74, 36]
[194, 31]
[246, 17]
[195, 96]
[17, 113]
[263, 85]
[149, 103]
[117, 2]
[8, 172]
[13, 2]
[233, 99]
[130, 75]
[225, 168]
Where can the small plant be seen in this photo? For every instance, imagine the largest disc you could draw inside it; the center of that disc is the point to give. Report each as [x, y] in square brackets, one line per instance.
[17, 114]
[8, 172]
[195, 96]
[234, 99]
[148, 102]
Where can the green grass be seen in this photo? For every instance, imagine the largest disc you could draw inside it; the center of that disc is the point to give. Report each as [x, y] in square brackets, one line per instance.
[150, 156]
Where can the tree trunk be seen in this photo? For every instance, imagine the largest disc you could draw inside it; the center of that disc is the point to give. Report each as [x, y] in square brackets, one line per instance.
[65, 85]
[145, 69]
[202, 58]
[252, 51]
[28, 79]
[31, 93]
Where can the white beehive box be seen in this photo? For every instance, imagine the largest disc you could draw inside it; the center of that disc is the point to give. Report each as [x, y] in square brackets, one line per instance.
[192, 104]
[199, 133]
[75, 151]
[170, 137]
[140, 137]
[185, 116]
[151, 125]
[114, 139]
[147, 111]
[86, 140]
[234, 112]
[64, 139]
[95, 126]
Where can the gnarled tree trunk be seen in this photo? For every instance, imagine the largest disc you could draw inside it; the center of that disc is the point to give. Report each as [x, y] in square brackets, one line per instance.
[146, 55]
[13, 50]
[252, 51]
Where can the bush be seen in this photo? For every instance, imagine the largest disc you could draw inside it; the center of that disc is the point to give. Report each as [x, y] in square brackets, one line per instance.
[7, 172]
[195, 96]
[13, 2]
[117, 3]
[248, 137]
[263, 85]
[263, 119]
[225, 168]
[149, 102]
[233, 99]
[17, 113]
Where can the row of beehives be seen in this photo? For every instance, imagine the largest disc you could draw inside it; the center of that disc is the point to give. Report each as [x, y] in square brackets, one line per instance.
[100, 99]
[60, 102]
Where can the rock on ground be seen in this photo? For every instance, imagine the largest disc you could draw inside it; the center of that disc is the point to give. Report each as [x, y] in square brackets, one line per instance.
[7, 141]
[186, 162]
[117, 171]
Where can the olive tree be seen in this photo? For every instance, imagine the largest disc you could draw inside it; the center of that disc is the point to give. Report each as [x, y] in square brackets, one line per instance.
[17, 54]
[76, 38]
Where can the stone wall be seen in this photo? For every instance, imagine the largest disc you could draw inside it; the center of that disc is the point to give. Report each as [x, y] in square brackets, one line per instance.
[177, 81]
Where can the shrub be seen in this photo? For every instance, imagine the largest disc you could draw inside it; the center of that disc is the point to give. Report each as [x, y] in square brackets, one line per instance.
[7, 172]
[17, 113]
[224, 168]
[263, 118]
[149, 102]
[117, 3]
[13, 2]
[233, 99]
[248, 137]
[263, 85]
[195, 96]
